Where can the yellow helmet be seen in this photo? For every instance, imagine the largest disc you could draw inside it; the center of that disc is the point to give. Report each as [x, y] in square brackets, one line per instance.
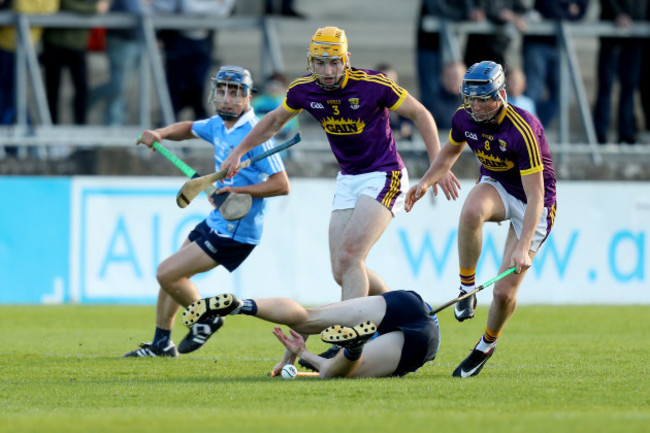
[328, 43]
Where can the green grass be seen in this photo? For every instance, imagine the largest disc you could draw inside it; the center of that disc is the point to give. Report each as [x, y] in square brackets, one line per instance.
[557, 369]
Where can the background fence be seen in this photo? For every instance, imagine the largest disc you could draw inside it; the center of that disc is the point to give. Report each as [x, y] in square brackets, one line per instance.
[267, 43]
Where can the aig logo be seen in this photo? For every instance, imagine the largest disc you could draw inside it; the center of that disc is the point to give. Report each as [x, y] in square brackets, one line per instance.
[317, 105]
[471, 135]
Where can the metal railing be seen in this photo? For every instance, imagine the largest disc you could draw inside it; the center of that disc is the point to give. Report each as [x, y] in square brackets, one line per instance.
[570, 74]
[44, 133]
[151, 64]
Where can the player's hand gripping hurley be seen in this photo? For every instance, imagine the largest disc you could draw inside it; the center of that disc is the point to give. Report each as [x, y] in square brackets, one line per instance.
[238, 204]
[193, 187]
[180, 164]
[473, 292]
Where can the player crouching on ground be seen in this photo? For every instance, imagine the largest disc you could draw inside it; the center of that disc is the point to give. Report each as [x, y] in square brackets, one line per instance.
[215, 241]
[408, 336]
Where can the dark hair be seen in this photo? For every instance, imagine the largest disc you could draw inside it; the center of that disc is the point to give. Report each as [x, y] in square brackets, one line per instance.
[383, 66]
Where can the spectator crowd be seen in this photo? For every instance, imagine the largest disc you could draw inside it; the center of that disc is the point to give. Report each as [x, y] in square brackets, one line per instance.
[188, 56]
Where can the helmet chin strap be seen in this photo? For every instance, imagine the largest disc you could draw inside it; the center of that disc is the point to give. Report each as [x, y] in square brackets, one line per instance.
[489, 120]
[229, 116]
[335, 86]
[226, 115]
[337, 83]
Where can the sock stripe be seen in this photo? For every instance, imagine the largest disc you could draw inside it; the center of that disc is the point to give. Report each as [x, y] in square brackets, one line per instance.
[490, 336]
[161, 336]
[468, 276]
[249, 307]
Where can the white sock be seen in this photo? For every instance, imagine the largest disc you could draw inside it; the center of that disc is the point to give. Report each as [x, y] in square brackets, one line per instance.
[485, 347]
[467, 289]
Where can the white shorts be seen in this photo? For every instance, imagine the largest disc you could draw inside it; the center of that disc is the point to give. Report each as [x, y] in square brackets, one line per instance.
[388, 188]
[515, 209]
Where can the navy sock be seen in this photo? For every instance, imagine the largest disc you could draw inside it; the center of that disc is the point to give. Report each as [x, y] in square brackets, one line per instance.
[161, 337]
[353, 353]
[249, 307]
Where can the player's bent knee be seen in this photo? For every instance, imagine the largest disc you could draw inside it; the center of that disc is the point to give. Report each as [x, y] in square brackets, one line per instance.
[348, 260]
[162, 277]
[471, 218]
[165, 278]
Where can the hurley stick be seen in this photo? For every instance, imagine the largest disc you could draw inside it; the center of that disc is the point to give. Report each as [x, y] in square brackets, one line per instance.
[476, 290]
[193, 187]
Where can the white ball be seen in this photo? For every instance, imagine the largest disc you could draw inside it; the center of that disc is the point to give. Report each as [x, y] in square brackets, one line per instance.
[289, 372]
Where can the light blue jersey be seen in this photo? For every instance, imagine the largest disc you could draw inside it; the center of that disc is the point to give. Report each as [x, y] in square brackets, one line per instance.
[247, 230]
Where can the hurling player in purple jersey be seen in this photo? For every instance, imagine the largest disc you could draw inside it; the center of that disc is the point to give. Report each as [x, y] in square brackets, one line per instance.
[517, 183]
[352, 107]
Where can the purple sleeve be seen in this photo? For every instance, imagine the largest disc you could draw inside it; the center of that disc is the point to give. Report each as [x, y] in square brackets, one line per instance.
[294, 100]
[392, 94]
[456, 134]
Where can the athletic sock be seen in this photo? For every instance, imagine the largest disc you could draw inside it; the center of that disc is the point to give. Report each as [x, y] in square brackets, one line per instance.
[161, 337]
[353, 353]
[488, 340]
[248, 307]
[467, 279]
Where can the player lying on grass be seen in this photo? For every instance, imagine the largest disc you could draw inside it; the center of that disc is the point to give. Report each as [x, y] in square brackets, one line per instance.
[408, 336]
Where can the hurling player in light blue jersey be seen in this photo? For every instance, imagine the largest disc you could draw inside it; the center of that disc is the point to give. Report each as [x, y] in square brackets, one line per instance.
[517, 183]
[215, 241]
[352, 105]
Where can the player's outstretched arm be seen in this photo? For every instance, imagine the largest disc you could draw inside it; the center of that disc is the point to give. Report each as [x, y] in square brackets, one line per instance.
[294, 345]
[176, 131]
[534, 188]
[276, 184]
[412, 109]
[438, 171]
[426, 124]
[266, 129]
[449, 184]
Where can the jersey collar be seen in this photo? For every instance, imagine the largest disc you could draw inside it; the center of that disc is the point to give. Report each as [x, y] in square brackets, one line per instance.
[243, 119]
[344, 82]
[502, 115]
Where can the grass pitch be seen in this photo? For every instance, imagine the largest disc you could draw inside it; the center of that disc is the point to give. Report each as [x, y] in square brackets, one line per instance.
[558, 369]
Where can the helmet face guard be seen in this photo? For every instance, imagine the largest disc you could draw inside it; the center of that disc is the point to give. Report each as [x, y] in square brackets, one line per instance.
[328, 45]
[231, 91]
[483, 83]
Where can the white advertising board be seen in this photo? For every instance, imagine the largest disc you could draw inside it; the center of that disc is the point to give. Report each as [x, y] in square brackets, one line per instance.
[122, 228]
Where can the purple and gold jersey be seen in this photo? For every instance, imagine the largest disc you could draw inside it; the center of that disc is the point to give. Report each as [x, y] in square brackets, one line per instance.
[513, 147]
[355, 118]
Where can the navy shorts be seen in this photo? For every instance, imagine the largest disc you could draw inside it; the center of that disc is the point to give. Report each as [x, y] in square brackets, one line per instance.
[407, 312]
[221, 249]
